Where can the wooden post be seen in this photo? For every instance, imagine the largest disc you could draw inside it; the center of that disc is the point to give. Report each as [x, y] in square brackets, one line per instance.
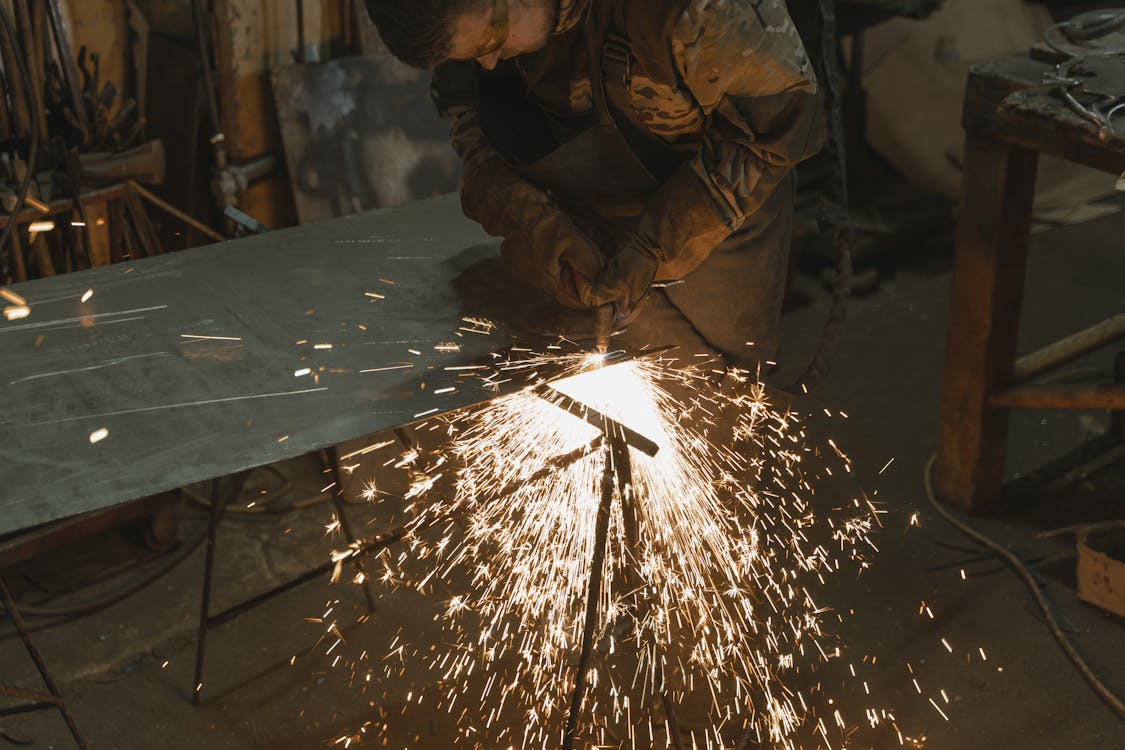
[990, 261]
[97, 232]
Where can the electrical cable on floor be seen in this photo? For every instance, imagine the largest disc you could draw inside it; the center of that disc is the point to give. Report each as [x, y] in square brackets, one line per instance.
[1105, 694]
[833, 208]
[166, 565]
[33, 148]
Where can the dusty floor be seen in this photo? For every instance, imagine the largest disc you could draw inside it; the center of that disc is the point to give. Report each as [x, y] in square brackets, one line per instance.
[127, 670]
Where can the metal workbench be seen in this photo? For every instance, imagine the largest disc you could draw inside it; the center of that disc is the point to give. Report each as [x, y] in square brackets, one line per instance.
[214, 360]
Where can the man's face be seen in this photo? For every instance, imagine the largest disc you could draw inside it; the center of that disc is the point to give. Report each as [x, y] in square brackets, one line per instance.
[506, 29]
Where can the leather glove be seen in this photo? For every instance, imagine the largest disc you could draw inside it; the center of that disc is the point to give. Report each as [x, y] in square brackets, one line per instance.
[558, 257]
[627, 277]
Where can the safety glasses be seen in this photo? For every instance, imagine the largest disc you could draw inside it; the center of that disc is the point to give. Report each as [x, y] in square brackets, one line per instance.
[497, 32]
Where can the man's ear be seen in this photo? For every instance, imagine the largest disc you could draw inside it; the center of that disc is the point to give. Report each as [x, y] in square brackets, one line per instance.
[454, 84]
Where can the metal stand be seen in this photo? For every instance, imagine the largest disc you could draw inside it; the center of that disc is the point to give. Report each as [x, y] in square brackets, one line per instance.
[225, 491]
[36, 701]
[618, 475]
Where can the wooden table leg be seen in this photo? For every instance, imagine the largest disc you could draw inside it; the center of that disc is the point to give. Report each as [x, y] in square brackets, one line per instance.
[997, 188]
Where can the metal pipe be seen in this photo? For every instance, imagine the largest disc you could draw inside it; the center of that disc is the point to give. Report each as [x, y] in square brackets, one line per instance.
[1070, 348]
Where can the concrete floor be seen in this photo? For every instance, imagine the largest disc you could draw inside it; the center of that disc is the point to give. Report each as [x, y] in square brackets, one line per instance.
[127, 670]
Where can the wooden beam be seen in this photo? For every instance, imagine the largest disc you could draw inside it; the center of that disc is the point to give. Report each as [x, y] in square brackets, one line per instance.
[1095, 396]
[990, 261]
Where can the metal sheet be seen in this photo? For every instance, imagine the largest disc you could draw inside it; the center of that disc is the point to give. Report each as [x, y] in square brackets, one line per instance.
[180, 409]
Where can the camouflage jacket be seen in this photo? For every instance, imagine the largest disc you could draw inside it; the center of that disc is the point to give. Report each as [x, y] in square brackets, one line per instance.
[745, 103]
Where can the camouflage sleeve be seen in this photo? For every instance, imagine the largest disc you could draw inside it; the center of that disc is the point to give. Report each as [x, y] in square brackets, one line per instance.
[745, 65]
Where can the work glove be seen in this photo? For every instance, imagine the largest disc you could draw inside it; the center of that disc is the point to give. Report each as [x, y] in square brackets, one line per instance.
[558, 257]
[626, 278]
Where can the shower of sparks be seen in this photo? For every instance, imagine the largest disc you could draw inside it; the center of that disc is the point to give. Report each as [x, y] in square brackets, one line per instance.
[711, 567]
[87, 295]
[15, 312]
[98, 435]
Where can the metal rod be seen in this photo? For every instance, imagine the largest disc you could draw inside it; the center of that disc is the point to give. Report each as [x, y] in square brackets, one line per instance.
[166, 206]
[593, 595]
[1092, 397]
[224, 491]
[234, 611]
[11, 691]
[331, 458]
[1070, 348]
[598, 419]
[33, 652]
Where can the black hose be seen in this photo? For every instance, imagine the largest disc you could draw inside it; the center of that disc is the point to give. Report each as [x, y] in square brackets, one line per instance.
[166, 565]
[593, 596]
[1111, 700]
[833, 207]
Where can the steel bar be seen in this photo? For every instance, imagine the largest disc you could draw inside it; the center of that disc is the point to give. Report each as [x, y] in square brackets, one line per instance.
[1070, 348]
[1096, 396]
[226, 489]
[27, 708]
[604, 423]
[33, 652]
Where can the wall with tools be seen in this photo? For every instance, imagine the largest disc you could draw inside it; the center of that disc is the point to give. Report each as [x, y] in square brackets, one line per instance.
[134, 127]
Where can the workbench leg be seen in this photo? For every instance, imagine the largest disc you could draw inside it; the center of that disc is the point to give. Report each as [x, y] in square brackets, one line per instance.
[33, 652]
[993, 226]
[330, 457]
[224, 491]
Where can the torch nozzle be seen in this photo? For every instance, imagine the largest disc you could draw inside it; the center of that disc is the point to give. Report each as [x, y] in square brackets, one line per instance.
[603, 327]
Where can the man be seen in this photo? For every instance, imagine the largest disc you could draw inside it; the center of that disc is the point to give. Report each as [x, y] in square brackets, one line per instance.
[614, 143]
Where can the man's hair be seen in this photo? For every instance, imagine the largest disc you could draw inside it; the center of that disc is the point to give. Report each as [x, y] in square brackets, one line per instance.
[420, 32]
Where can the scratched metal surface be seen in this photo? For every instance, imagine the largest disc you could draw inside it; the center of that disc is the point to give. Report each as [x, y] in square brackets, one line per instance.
[180, 409]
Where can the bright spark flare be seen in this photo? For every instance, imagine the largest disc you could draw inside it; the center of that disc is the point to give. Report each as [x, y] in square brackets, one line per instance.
[708, 581]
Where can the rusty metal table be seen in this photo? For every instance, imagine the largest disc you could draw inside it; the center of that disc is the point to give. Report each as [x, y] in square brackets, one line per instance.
[1007, 125]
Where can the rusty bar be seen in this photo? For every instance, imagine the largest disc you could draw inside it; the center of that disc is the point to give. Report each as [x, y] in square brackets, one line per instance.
[34, 696]
[33, 652]
[226, 489]
[1096, 396]
[169, 208]
[1070, 348]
